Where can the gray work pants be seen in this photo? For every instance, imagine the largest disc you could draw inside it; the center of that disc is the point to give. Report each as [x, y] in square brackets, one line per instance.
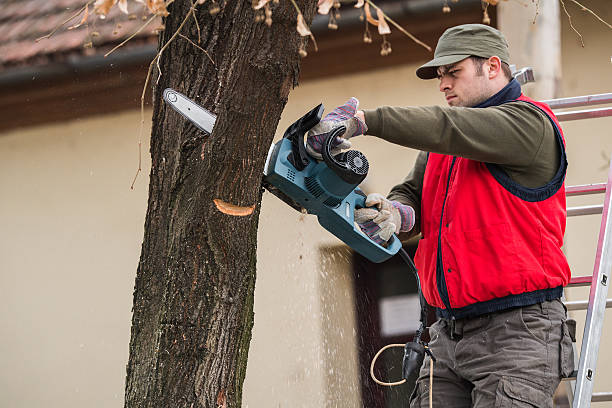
[513, 358]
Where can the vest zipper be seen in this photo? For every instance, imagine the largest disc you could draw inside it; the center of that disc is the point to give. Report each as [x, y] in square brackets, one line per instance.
[441, 280]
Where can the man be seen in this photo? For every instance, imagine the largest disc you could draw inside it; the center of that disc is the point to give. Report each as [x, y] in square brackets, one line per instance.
[487, 194]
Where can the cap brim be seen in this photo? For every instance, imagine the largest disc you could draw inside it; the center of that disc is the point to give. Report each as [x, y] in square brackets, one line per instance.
[430, 70]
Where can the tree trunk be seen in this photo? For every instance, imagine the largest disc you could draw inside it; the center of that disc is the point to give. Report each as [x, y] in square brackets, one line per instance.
[193, 297]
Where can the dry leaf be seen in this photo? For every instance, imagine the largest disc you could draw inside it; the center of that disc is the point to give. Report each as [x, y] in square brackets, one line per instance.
[360, 3]
[232, 209]
[302, 28]
[369, 17]
[157, 7]
[325, 6]
[383, 27]
[103, 6]
[83, 20]
[260, 4]
[123, 6]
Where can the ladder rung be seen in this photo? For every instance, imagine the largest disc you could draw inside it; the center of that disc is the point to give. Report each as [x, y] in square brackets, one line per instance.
[575, 101]
[585, 189]
[601, 396]
[585, 210]
[584, 114]
[583, 304]
[580, 281]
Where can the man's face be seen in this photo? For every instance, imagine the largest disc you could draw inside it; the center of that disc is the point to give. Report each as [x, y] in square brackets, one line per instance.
[464, 84]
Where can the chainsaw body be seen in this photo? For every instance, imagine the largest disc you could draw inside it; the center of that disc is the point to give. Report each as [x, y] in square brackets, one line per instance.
[328, 188]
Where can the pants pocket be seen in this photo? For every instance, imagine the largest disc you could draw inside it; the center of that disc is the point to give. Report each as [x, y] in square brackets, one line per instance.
[566, 351]
[535, 322]
[514, 392]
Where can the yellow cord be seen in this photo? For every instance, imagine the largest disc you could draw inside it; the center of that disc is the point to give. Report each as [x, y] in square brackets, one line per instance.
[376, 380]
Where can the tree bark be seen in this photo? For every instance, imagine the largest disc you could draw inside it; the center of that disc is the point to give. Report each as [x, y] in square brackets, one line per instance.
[193, 296]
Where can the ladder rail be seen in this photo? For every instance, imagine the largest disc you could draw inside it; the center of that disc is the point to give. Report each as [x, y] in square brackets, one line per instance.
[596, 307]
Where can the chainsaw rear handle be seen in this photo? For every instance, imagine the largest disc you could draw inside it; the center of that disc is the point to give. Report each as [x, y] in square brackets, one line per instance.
[340, 221]
[393, 245]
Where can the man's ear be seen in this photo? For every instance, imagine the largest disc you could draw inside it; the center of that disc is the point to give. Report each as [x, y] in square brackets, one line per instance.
[495, 67]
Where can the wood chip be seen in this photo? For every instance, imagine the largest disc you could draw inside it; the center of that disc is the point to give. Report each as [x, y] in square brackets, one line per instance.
[232, 209]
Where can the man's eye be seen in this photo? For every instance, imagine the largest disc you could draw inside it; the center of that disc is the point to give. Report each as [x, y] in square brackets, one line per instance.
[453, 72]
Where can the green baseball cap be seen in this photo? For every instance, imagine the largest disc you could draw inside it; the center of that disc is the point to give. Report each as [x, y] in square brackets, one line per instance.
[463, 41]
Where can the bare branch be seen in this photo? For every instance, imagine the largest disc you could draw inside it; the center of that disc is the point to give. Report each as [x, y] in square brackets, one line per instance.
[202, 49]
[65, 21]
[592, 12]
[569, 18]
[537, 11]
[195, 19]
[416, 40]
[132, 36]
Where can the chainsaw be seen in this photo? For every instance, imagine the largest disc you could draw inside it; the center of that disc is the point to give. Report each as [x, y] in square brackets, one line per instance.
[327, 188]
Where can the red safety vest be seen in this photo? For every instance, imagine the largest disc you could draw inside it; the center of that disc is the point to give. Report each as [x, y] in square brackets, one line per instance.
[489, 243]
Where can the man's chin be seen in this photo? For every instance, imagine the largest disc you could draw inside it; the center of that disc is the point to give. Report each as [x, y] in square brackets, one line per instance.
[453, 102]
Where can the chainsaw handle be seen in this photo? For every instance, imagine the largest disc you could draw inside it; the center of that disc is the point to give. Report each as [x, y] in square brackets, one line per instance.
[295, 133]
[393, 245]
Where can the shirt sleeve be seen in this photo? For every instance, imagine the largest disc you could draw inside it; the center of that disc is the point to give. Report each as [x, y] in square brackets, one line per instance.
[510, 134]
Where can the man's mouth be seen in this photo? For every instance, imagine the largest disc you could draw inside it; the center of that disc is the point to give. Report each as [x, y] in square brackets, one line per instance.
[449, 97]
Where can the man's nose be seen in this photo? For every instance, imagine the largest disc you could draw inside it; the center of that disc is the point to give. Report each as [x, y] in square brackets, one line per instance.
[445, 84]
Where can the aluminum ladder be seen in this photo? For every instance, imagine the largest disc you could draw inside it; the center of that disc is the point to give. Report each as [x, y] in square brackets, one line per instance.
[580, 389]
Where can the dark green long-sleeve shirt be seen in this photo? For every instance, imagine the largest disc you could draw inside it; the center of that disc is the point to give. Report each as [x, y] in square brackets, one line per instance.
[516, 135]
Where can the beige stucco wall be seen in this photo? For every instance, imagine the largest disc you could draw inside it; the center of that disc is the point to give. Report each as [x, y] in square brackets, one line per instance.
[70, 235]
[71, 231]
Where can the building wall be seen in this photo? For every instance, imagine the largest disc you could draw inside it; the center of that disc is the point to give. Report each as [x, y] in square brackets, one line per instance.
[71, 231]
[70, 235]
